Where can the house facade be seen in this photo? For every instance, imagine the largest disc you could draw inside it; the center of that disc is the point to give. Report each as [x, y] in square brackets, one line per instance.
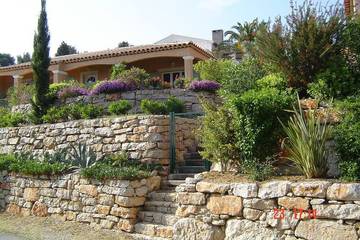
[168, 60]
[352, 7]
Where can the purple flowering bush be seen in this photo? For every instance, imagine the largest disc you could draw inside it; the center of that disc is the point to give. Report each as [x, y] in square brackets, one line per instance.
[69, 92]
[204, 85]
[113, 86]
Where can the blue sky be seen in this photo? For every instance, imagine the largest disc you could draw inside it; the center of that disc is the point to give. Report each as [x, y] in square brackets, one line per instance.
[92, 25]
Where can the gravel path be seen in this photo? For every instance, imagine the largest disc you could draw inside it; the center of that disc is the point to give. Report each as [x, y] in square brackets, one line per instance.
[36, 228]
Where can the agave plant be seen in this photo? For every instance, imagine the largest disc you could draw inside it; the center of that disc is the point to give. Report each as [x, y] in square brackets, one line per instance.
[81, 156]
[305, 142]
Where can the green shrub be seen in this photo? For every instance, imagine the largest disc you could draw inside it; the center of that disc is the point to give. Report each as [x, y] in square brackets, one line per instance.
[22, 94]
[91, 111]
[56, 115]
[9, 119]
[103, 171]
[349, 171]
[116, 70]
[260, 110]
[54, 88]
[274, 80]
[26, 163]
[306, 44]
[135, 75]
[305, 143]
[5, 161]
[347, 137]
[153, 107]
[212, 69]
[31, 167]
[217, 136]
[161, 108]
[319, 90]
[120, 107]
[175, 105]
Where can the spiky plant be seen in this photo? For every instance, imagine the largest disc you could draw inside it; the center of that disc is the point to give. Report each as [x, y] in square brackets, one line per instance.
[81, 156]
[305, 142]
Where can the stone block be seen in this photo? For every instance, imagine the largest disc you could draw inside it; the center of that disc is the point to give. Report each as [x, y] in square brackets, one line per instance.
[191, 198]
[39, 210]
[227, 205]
[310, 188]
[124, 212]
[294, 202]
[324, 230]
[209, 187]
[31, 194]
[274, 189]
[344, 192]
[245, 190]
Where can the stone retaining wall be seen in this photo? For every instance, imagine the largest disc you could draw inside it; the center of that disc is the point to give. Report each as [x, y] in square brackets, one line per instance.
[254, 210]
[3, 189]
[144, 137]
[108, 204]
[190, 98]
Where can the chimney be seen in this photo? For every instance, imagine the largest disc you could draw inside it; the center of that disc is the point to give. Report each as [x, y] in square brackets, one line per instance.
[217, 36]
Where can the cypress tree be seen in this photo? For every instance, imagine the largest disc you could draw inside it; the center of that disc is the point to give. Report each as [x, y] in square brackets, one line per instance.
[40, 64]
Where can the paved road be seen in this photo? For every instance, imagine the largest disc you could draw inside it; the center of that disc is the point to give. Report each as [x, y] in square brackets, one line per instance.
[6, 236]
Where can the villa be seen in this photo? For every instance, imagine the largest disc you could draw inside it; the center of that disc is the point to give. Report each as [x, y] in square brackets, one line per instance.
[169, 58]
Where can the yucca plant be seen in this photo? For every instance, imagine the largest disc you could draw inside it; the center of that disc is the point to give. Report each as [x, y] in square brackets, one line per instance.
[305, 142]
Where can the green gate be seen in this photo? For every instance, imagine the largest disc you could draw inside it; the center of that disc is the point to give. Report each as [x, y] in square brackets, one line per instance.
[172, 138]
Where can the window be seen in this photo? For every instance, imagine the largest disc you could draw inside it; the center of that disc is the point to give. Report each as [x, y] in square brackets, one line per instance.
[170, 77]
[89, 77]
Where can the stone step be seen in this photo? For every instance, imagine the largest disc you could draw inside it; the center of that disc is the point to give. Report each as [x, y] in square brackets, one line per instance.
[191, 155]
[154, 230]
[167, 196]
[180, 176]
[191, 169]
[157, 218]
[168, 184]
[161, 206]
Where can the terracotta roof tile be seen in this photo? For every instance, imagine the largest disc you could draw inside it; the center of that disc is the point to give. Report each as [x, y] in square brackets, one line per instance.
[112, 53]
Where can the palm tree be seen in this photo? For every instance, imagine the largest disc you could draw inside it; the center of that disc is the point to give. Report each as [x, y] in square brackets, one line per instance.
[243, 35]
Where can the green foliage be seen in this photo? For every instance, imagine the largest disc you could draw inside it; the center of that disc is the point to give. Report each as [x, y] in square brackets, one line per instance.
[306, 45]
[40, 64]
[103, 171]
[65, 49]
[153, 107]
[73, 112]
[135, 75]
[22, 94]
[305, 143]
[6, 60]
[261, 109]
[123, 44]
[116, 70]
[174, 105]
[212, 69]
[81, 156]
[28, 164]
[217, 135]
[239, 78]
[319, 90]
[54, 88]
[161, 108]
[347, 138]
[274, 80]
[9, 119]
[5, 161]
[349, 171]
[119, 107]
[258, 171]
[23, 58]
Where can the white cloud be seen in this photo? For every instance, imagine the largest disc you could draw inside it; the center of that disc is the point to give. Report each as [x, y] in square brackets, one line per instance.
[216, 5]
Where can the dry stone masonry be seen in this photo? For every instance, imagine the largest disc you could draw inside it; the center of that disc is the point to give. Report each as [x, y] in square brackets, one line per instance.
[145, 138]
[108, 204]
[190, 98]
[269, 210]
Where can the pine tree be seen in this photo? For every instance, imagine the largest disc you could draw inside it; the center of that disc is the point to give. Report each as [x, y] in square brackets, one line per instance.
[40, 64]
[23, 58]
[65, 49]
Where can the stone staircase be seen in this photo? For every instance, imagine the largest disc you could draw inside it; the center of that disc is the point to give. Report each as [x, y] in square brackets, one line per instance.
[157, 218]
